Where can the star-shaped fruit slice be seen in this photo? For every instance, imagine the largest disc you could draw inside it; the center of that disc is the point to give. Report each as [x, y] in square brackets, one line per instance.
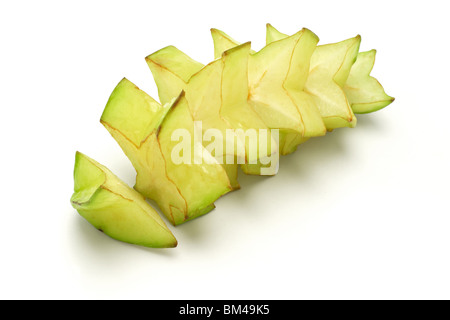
[180, 175]
[363, 91]
[277, 77]
[116, 209]
[217, 97]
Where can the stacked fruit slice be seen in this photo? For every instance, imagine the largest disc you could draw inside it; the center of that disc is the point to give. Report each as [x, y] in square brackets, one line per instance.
[291, 88]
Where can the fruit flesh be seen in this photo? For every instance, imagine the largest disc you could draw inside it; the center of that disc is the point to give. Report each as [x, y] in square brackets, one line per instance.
[182, 191]
[329, 70]
[330, 66]
[171, 69]
[363, 91]
[291, 85]
[217, 96]
[116, 209]
[277, 77]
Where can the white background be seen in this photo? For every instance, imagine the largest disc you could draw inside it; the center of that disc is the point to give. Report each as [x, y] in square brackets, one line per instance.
[359, 214]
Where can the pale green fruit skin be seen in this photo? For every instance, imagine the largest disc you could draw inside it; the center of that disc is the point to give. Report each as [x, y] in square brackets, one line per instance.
[143, 128]
[277, 78]
[330, 66]
[223, 42]
[273, 34]
[329, 70]
[363, 91]
[216, 94]
[171, 69]
[116, 209]
[200, 184]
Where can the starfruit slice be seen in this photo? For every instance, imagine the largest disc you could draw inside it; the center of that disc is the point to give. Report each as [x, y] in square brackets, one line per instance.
[277, 78]
[184, 182]
[363, 91]
[329, 70]
[116, 209]
[217, 96]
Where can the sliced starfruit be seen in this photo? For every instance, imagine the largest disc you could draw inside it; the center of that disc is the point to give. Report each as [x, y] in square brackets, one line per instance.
[329, 70]
[271, 101]
[173, 169]
[116, 209]
[217, 97]
[277, 78]
[363, 91]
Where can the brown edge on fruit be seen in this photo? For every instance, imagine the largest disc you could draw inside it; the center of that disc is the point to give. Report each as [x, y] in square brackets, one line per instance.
[174, 104]
[172, 107]
[357, 40]
[103, 187]
[149, 59]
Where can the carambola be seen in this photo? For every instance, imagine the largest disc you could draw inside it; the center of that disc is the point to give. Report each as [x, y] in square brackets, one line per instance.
[286, 93]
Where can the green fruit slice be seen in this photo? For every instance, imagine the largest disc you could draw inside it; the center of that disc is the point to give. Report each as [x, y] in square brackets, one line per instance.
[146, 132]
[363, 91]
[116, 209]
[277, 78]
[217, 96]
[171, 69]
[329, 70]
